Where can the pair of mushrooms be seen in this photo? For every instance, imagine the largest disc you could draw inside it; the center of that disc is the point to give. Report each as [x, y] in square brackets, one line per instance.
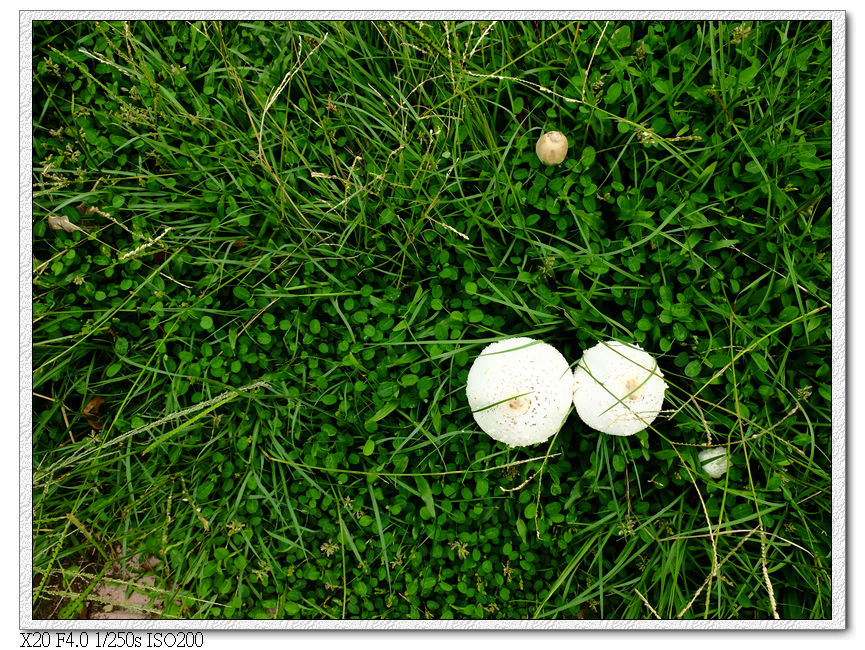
[520, 391]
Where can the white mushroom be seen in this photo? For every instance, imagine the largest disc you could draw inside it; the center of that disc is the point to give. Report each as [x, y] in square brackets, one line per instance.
[715, 468]
[552, 147]
[618, 388]
[520, 391]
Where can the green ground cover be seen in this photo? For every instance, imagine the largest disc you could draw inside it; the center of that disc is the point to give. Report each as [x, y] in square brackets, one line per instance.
[265, 255]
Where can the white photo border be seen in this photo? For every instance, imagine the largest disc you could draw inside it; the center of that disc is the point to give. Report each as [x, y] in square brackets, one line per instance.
[838, 621]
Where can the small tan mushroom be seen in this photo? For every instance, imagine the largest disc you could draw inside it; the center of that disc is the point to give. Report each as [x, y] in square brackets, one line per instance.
[552, 147]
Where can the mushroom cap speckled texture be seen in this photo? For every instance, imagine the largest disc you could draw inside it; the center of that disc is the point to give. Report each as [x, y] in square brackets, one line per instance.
[618, 388]
[715, 468]
[552, 147]
[520, 391]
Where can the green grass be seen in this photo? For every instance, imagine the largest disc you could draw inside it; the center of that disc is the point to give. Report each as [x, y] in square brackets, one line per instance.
[293, 240]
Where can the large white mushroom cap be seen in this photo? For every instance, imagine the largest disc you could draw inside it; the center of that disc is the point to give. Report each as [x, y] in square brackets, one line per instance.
[714, 460]
[618, 388]
[520, 391]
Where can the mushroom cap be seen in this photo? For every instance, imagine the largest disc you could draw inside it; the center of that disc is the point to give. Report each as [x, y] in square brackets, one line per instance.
[520, 391]
[618, 388]
[714, 468]
[552, 147]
